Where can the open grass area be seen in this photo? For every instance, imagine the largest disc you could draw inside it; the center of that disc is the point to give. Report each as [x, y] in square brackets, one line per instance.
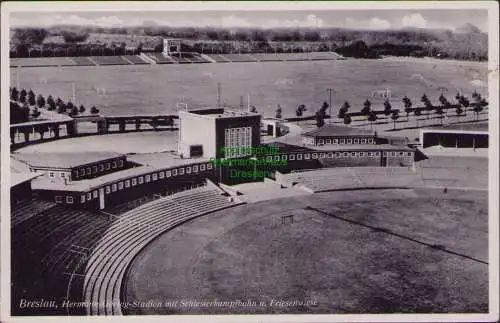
[378, 251]
[149, 89]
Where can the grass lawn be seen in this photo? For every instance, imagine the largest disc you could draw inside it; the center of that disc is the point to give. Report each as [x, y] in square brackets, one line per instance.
[387, 251]
[149, 89]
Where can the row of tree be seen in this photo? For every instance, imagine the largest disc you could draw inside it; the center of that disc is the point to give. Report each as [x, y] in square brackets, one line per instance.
[471, 45]
[26, 102]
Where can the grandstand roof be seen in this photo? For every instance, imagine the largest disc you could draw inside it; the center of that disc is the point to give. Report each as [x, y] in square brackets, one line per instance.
[336, 130]
[218, 113]
[295, 144]
[63, 160]
[19, 178]
[463, 127]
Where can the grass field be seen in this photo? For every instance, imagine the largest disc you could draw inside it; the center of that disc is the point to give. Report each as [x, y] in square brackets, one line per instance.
[158, 88]
[386, 251]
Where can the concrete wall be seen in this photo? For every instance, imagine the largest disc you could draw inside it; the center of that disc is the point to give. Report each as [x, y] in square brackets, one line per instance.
[197, 130]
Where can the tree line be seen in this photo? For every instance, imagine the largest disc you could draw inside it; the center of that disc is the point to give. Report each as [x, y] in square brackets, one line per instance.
[25, 106]
[471, 45]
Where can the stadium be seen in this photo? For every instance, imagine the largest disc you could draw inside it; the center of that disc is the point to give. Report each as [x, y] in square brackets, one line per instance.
[140, 213]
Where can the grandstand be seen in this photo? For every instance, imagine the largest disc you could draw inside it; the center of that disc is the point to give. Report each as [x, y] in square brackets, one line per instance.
[82, 61]
[26, 209]
[351, 178]
[240, 58]
[132, 231]
[159, 58]
[56, 239]
[41, 61]
[109, 60]
[134, 59]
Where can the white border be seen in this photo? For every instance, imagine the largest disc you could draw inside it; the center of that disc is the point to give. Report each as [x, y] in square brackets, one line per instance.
[491, 6]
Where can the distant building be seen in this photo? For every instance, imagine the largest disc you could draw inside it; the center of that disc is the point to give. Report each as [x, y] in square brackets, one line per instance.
[473, 135]
[206, 132]
[331, 134]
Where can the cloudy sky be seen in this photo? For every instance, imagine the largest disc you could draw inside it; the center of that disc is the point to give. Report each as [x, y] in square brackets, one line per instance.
[358, 19]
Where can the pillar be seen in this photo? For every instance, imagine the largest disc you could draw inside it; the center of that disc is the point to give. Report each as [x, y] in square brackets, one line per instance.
[56, 131]
[137, 124]
[121, 125]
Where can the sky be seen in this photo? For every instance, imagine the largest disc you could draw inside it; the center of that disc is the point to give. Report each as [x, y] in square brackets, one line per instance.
[352, 19]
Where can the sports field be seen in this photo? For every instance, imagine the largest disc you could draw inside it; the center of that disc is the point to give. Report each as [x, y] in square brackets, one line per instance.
[382, 251]
[158, 88]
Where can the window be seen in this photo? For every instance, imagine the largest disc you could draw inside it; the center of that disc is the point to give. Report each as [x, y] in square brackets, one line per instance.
[51, 174]
[148, 178]
[377, 154]
[322, 155]
[209, 166]
[330, 155]
[89, 171]
[188, 169]
[393, 154]
[276, 157]
[69, 199]
[134, 181]
[370, 141]
[95, 194]
[307, 156]
[335, 141]
[342, 141]
[409, 154]
[292, 157]
[82, 199]
[369, 154]
[59, 199]
[161, 175]
[361, 154]
[113, 188]
[168, 173]
[94, 169]
[120, 163]
[349, 141]
[314, 156]
[356, 141]
[299, 156]
[195, 169]
[108, 166]
[401, 154]
[62, 174]
[328, 141]
[113, 165]
[181, 171]
[385, 154]
[101, 167]
[155, 176]
[337, 155]
[363, 141]
[269, 158]
[140, 179]
[321, 141]
[346, 154]
[127, 183]
[283, 157]
[353, 154]
[120, 186]
[108, 189]
[202, 167]
[174, 172]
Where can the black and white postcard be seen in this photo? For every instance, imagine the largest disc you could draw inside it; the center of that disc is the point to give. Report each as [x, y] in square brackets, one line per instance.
[250, 161]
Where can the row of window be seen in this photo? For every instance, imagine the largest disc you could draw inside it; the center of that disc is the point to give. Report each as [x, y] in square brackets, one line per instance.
[98, 168]
[348, 141]
[138, 181]
[340, 155]
[237, 140]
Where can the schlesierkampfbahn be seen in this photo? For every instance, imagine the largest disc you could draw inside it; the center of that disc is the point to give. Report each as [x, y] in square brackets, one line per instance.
[375, 199]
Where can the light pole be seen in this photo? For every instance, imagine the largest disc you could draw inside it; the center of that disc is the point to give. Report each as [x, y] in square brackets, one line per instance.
[329, 91]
